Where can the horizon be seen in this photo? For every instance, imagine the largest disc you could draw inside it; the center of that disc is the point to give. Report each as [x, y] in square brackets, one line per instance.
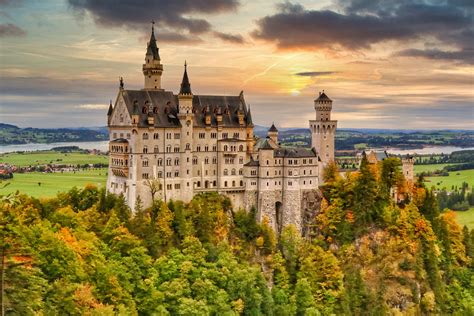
[61, 59]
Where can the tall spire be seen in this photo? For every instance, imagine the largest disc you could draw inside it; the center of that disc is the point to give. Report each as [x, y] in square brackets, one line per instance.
[249, 117]
[109, 112]
[152, 48]
[185, 85]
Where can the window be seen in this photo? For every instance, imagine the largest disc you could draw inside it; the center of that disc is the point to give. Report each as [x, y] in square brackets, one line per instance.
[241, 183]
[206, 148]
[214, 160]
[225, 135]
[226, 148]
[145, 175]
[145, 163]
[195, 161]
[214, 148]
[236, 135]
[176, 173]
[202, 135]
[213, 135]
[160, 174]
[290, 172]
[253, 172]
[168, 148]
[206, 160]
[128, 135]
[290, 183]
[188, 146]
[226, 172]
[168, 161]
[241, 160]
[176, 149]
[177, 135]
[169, 186]
[160, 162]
[241, 171]
[268, 162]
[177, 186]
[225, 184]
[145, 135]
[233, 172]
[168, 135]
[114, 135]
[176, 161]
[155, 150]
[145, 149]
[198, 148]
[156, 136]
[233, 183]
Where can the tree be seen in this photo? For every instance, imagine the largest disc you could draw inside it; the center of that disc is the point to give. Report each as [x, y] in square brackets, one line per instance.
[154, 186]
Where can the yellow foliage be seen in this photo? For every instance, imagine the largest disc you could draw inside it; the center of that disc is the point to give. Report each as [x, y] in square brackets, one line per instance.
[238, 306]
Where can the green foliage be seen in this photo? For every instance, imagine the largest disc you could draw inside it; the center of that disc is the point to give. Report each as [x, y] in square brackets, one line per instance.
[84, 252]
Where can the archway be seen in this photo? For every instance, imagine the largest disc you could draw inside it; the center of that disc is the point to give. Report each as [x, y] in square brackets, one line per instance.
[278, 216]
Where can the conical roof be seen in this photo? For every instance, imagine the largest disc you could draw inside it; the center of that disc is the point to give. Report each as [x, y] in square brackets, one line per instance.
[152, 48]
[185, 85]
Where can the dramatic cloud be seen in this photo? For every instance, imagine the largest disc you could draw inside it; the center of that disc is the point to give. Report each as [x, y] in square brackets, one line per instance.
[170, 14]
[362, 23]
[232, 38]
[11, 30]
[314, 73]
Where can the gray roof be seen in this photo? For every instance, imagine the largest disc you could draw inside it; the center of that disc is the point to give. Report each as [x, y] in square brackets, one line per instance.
[323, 96]
[120, 140]
[265, 143]
[294, 153]
[252, 163]
[185, 85]
[273, 128]
[152, 48]
[164, 107]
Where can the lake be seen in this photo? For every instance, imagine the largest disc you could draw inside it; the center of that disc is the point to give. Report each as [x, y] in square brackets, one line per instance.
[104, 146]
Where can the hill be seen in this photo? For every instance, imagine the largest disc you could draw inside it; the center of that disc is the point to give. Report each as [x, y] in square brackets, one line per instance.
[14, 135]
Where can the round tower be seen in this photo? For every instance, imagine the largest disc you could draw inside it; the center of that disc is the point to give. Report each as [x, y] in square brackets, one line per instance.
[152, 68]
[323, 129]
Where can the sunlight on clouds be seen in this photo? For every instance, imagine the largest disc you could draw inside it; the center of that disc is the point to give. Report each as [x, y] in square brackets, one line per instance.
[103, 106]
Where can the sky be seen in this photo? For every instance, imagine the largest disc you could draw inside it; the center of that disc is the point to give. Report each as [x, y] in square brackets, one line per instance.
[405, 64]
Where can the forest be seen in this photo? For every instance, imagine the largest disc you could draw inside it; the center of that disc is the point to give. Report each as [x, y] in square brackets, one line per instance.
[379, 245]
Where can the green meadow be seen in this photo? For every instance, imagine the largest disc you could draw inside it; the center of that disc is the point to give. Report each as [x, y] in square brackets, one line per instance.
[51, 157]
[455, 178]
[40, 184]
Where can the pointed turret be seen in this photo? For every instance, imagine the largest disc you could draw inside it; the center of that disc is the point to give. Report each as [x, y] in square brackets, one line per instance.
[249, 118]
[185, 85]
[152, 48]
[273, 133]
[109, 112]
[152, 68]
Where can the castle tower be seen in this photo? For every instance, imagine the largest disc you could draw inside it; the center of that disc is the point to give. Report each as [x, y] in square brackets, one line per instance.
[152, 68]
[273, 134]
[323, 129]
[408, 163]
[185, 116]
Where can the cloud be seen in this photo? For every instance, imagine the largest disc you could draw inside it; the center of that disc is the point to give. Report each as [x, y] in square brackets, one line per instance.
[315, 73]
[94, 106]
[466, 55]
[232, 38]
[359, 24]
[11, 30]
[168, 14]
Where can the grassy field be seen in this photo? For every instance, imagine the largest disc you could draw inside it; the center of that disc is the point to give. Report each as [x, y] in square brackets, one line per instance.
[51, 157]
[432, 167]
[455, 178]
[52, 183]
[466, 218]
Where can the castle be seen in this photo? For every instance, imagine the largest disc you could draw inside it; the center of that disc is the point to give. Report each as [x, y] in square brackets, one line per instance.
[171, 147]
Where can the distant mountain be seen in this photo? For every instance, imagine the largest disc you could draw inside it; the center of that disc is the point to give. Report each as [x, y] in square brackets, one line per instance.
[13, 135]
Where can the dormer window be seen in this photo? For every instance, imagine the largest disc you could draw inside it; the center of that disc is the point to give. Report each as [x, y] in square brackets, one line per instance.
[144, 110]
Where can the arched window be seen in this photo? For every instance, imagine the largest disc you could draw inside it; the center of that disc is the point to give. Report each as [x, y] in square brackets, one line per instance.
[160, 162]
[145, 149]
[156, 149]
[225, 147]
[233, 172]
[176, 161]
[145, 135]
[145, 110]
[168, 162]
[145, 163]
[241, 148]
[226, 172]
[156, 136]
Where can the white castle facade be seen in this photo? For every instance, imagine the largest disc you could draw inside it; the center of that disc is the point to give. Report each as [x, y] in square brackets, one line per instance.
[171, 147]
